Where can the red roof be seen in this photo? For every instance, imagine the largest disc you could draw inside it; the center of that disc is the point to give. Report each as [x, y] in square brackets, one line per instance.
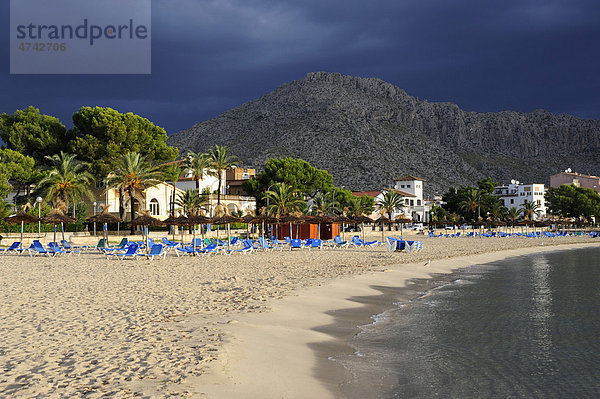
[367, 193]
[408, 178]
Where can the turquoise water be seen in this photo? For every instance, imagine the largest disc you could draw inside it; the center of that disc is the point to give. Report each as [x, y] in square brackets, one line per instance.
[526, 327]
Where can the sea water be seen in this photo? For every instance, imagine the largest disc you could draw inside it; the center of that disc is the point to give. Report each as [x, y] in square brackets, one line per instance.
[525, 327]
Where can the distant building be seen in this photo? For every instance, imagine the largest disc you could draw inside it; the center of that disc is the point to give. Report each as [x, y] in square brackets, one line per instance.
[578, 179]
[411, 190]
[235, 177]
[515, 194]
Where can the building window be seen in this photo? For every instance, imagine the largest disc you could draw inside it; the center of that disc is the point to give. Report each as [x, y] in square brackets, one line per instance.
[418, 202]
[402, 186]
[408, 186]
[412, 202]
[154, 207]
[99, 183]
[512, 200]
[406, 201]
[539, 202]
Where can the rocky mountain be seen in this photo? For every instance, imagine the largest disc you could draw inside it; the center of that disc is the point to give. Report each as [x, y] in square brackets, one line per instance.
[366, 132]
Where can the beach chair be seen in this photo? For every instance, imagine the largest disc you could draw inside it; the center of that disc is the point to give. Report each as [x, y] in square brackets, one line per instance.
[209, 249]
[155, 250]
[169, 244]
[14, 247]
[184, 250]
[55, 249]
[296, 243]
[316, 243]
[131, 252]
[264, 245]
[247, 247]
[37, 248]
[338, 243]
[233, 241]
[288, 240]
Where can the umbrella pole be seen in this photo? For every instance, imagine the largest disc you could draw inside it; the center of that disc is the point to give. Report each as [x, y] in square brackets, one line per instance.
[22, 231]
[228, 235]
[291, 230]
[263, 230]
[383, 231]
[146, 230]
[54, 232]
[363, 231]
[194, 240]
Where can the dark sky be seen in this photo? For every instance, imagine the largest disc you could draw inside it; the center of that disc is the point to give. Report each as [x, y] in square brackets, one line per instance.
[210, 56]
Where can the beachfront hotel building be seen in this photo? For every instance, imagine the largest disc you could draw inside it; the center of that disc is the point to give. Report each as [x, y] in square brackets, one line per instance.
[411, 190]
[580, 180]
[516, 194]
[158, 199]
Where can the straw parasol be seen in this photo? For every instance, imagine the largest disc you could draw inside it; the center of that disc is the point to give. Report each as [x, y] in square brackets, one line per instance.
[146, 220]
[401, 220]
[291, 218]
[362, 220]
[227, 220]
[21, 217]
[263, 218]
[196, 220]
[57, 216]
[105, 218]
[171, 221]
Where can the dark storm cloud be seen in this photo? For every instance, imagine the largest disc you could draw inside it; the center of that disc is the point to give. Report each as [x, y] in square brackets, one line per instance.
[209, 56]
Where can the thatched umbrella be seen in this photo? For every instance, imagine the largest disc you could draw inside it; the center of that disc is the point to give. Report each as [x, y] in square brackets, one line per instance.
[21, 217]
[57, 216]
[145, 220]
[198, 220]
[247, 219]
[105, 218]
[362, 220]
[171, 221]
[401, 220]
[227, 219]
[263, 218]
[291, 219]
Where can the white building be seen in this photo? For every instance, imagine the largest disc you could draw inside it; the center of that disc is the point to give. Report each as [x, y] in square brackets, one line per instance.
[411, 190]
[515, 194]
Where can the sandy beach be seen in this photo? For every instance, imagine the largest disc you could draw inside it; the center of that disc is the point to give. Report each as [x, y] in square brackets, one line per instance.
[218, 327]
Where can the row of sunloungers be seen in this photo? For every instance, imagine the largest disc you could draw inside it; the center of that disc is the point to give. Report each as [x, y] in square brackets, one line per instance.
[135, 250]
[532, 234]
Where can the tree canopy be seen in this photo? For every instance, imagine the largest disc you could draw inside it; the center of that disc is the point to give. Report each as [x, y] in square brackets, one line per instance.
[102, 135]
[33, 134]
[573, 201]
[296, 173]
[471, 202]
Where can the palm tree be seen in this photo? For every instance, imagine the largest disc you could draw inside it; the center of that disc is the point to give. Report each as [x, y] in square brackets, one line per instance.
[283, 199]
[497, 211]
[133, 174]
[472, 201]
[174, 173]
[529, 208]
[392, 201]
[323, 204]
[220, 159]
[66, 180]
[198, 163]
[191, 202]
[513, 214]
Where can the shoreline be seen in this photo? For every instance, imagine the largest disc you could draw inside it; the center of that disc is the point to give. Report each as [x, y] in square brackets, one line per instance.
[284, 353]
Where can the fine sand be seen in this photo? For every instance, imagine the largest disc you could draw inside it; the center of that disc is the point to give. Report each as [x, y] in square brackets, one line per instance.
[221, 326]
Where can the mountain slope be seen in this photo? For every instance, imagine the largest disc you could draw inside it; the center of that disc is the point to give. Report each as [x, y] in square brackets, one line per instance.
[366, 132]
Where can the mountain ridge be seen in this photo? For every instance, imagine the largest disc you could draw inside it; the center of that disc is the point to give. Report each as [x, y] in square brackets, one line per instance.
[366, 132]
